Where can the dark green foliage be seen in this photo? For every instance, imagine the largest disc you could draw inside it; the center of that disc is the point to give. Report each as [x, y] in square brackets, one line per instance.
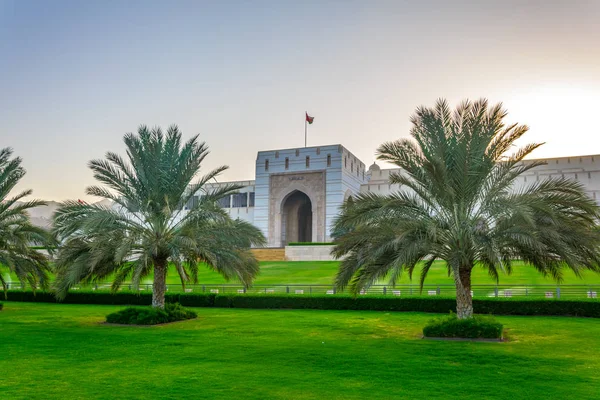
[478, 327]
[151, 315]
[514, 306]
[138, 316]
[311, 244]
[1, 306]
[83, 297]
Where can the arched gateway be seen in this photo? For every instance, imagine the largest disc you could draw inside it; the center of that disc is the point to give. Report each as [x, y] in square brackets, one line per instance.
[296, 208]
[296, 218]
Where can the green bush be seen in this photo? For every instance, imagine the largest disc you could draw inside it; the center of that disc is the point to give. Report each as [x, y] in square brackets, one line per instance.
[478, 327]
[499, 306]
[150, 315]
[1, 306]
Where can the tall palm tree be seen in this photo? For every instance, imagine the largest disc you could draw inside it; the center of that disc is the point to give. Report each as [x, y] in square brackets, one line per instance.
[17, 234]
[459, 202]
[147, 229]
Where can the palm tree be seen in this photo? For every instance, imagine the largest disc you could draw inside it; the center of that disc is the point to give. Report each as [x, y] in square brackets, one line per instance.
[147, 228]
[459, 202]
[17, 234]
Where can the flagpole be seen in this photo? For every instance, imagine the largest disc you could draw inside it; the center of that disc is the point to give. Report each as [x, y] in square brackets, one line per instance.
[305, 131]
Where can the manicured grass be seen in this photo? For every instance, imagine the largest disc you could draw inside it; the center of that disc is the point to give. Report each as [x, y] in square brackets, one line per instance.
[52, 351]
[323, 273]
[279, 272]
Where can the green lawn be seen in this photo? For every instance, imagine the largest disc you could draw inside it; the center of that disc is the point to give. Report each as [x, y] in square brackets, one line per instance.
[51, 351]
[323, 273]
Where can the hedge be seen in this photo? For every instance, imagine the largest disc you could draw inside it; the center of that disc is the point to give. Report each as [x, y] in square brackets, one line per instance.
[511, 306]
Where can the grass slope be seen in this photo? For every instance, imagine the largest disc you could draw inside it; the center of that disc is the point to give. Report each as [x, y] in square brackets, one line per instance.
[54, 351]
[323, 273]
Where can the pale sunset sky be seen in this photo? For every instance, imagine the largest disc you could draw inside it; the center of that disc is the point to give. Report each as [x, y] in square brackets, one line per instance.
[76, 75]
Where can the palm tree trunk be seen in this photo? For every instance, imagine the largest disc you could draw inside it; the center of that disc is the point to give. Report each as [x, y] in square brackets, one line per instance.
[160, 284]
[464, 300]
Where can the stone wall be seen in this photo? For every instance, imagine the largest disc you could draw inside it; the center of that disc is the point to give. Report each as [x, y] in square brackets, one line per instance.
[269, 254]
[309, 253]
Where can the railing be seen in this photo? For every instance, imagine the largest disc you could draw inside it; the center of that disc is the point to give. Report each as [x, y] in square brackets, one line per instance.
[478, 291]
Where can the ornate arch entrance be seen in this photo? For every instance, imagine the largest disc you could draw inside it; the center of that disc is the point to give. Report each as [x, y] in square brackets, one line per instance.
[296, 218]
[296, 208]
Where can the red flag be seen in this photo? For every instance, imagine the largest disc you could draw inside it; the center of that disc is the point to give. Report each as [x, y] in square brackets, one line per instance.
[309, 119]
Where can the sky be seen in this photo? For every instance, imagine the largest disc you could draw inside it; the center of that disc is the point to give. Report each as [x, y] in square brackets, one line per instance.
[75, 76]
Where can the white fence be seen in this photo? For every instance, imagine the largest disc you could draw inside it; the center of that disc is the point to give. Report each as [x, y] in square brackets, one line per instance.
[477, 291]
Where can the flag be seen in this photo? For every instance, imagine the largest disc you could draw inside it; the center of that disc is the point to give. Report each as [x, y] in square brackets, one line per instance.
[309, 119]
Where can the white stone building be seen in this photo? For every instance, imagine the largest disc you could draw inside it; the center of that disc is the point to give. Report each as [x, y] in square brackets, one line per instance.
[297, 192]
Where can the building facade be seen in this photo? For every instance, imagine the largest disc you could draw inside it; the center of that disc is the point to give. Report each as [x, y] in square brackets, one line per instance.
[298, 192]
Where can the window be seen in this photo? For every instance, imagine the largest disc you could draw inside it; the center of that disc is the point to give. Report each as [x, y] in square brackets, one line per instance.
[329, 160]
[224, 202]
[239, 200]
[351, 167]
[251, 200]
[318, 150]
[287, 163]
[345, 162]
[192, 202]
[589, 175]
[276, 154]
[307, 162]
[266, 165]
[363, 174]
[297, 152]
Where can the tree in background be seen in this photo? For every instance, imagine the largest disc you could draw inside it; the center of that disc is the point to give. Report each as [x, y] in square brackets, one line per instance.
[459, 202]
[17, 234]
[147, 228]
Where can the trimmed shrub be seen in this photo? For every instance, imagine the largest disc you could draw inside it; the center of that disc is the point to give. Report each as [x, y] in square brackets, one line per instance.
[150, 315]
[499, 306]
[478, 327]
